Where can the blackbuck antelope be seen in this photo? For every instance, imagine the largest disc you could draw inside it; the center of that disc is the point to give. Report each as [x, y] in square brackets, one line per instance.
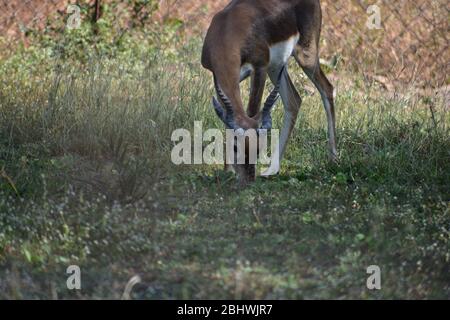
[256, 38]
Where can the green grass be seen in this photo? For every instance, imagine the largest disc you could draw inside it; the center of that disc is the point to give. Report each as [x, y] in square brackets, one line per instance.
[86, 179]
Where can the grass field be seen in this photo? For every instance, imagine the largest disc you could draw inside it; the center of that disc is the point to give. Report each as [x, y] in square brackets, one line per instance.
[86, 179]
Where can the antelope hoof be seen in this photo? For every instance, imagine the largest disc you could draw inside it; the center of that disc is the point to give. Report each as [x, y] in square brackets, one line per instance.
[334, 158]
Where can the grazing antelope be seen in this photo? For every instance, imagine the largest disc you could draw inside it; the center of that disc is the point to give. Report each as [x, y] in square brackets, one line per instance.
[256, 38]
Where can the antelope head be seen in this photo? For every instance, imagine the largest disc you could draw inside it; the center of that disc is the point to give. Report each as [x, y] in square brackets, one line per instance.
[246, 130]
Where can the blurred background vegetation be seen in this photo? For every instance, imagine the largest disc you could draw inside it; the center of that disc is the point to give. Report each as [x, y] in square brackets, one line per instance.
[412, 45]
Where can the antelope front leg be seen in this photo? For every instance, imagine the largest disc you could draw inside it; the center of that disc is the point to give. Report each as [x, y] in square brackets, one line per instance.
[291, 102]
